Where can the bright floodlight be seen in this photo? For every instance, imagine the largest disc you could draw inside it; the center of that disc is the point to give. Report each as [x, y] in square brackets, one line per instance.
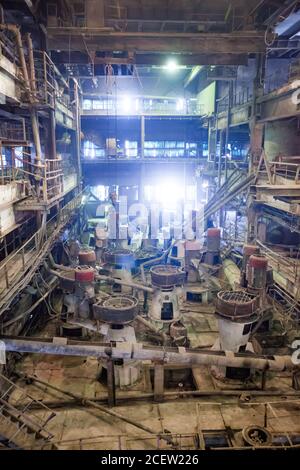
[169, 194]
[172, 65]
[180, 104]
[126, 104]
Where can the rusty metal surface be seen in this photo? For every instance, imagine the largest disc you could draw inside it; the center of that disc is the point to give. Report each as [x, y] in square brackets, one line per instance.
[119, 309]
[67, 281]
[119, 257]
[236, 304]
[87, 257]
[167, 275]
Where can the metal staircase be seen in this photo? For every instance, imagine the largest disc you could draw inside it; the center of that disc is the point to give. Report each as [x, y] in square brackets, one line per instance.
[20, 426]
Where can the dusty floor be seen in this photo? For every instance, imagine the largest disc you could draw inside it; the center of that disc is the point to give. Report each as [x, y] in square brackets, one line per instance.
[189, 419]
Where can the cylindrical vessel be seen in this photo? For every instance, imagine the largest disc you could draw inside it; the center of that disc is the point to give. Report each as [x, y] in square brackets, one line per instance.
[87, 257]
[248, 251]
[236, 312]
[84, 274]
[213, 239]
[257, 272]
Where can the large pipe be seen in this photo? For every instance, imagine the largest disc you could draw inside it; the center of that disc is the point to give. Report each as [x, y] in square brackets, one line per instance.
[137, 351]
[31, 63]
[125, 283]
[154, 261]
[152, 328]
[87, 402]
[232, 273]
[61, 267]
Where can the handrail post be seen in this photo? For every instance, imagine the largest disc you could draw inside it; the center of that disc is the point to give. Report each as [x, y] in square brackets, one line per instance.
[6, 276]
[23, 258]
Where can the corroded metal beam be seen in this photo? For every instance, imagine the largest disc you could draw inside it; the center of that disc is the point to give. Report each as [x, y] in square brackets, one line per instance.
[190, 43]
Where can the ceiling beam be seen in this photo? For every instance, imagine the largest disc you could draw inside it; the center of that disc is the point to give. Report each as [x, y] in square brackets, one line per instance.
[78, 58]
[189, 43]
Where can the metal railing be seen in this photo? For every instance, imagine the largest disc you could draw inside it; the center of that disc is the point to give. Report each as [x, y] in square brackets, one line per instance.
[25, 256]
[20, 412]
[53, 179]
[47, 176]
[44, 79]
[13, 131]
[282, 263]
[290, 171]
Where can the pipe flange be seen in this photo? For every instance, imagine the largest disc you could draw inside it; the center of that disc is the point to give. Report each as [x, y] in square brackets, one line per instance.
[257, 436]
[167, 275]
[87, 257]
[237, 305]
[84, 274]
[119, 309]
[119, 257]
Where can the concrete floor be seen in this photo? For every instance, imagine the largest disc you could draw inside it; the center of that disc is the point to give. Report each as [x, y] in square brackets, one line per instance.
[77, 427]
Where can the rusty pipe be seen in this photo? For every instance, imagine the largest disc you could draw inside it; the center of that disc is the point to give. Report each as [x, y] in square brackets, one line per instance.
[152, 328]
[31, 63]
[154, 261]
[125, 283]
[89, 403]
[179, 356]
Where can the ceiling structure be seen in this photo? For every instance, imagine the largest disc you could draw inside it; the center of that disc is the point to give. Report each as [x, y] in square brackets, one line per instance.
[142, 32]
[84, 37]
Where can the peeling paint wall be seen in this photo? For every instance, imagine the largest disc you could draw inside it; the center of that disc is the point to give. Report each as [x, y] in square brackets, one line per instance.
[8, 195]
[282, 137]
[8, 72]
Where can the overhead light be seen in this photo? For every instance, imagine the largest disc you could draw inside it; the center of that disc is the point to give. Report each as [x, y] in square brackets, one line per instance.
[126, 104]
[168, 193]
[172, 65]
[180, 105]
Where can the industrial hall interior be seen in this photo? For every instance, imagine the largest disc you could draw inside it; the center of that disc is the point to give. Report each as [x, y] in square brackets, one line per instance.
[150, 225]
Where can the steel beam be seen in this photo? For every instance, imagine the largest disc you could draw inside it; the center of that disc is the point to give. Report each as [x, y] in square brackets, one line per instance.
[189, 43]
[80, 58]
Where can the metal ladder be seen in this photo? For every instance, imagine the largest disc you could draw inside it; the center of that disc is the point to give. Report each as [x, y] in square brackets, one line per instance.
[19, 426]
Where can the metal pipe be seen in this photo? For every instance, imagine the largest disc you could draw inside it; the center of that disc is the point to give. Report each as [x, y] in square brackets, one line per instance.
[86, 402]
[61, 267]
[137, 351]
[37, 140]
[125, 283]
[174, 396]
[31, 64]
[151, 327]
[153, 261]
[232, 273]
[52, 286]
